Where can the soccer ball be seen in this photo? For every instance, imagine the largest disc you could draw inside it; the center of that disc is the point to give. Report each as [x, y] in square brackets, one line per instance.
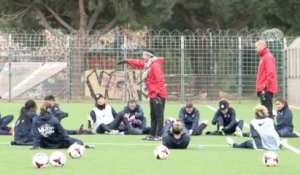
[57, 159]
[40, 160]
[161, 152]
[270, 159]
[76, 151]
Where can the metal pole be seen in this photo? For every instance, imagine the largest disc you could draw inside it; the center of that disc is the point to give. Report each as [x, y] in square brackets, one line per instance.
[284, 67]
[9, 67]
[212, 72]
[240, 70]
[182, 96]
[125, 69]
[68, 71]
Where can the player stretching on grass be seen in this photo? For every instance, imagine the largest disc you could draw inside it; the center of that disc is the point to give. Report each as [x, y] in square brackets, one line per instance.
[175, 135]
[225, 119]
[22, 129]
[284, 125]
[134, 119]
[60, 114]
[48, 132]
[103, 118]
[190, 116]
[261, 130]
[153, 78]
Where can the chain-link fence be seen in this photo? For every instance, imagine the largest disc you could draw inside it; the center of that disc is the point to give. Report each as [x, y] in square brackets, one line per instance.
[201, 65]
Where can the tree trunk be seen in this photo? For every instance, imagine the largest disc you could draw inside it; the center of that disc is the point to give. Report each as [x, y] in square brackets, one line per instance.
[78, 49]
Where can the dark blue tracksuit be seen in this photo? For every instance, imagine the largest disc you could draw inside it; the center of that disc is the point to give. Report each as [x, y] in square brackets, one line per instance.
[139, 115]
[170, 141]
[4, 121]
[22, 130]
[58, 113]
[228, 121]
[48, 132]
[191, 120]
[284, 126]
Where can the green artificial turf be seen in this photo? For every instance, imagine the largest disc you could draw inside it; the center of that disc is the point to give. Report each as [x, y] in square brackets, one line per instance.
[129, 155]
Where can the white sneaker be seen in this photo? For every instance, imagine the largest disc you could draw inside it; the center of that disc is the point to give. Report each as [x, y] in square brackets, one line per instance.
[238, 132]
[112, 132]
[283, 142]
[230, 141]
[297, 133]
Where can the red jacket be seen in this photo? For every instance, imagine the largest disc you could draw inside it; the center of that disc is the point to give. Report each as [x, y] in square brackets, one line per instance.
[155, 80]
[266, 72]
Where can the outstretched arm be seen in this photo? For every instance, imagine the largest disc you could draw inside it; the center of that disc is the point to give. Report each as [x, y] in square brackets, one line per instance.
[135, 63]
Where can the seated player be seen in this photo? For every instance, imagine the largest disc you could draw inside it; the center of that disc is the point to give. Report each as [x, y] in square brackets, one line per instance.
[134, 119]
[261, 130]
[103, 118]
[60, 114]
[22, 129]
[284, 118]
[55, 109]
[190, 116]
[225, 118]
[48, 132]
[175, 135]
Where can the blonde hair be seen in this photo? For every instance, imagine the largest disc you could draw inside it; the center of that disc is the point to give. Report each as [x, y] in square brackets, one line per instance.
[45, 105]
[260, 111]
[261, 43]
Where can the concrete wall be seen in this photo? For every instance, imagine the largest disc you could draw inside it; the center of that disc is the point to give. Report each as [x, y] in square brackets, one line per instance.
[293, 91]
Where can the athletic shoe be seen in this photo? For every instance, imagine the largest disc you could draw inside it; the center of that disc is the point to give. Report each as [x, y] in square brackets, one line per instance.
[297, 133]
[13, 143]
[238, 132]
[90, 146]
[230, 141]
[112, 132]
[157, 138]
[148, 137]
[283, 142]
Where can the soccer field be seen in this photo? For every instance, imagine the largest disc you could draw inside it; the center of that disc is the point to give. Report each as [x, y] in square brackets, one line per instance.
[120, 154]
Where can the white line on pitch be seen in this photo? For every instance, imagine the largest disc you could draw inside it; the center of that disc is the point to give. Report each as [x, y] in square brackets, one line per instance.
[285, 144]
[211, 107]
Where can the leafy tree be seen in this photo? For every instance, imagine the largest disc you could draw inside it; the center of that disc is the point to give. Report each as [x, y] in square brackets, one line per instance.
[284, 14]
[236, 14]
[218, 14]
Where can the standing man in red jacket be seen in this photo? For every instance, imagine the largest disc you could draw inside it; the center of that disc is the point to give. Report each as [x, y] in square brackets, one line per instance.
[153, 78]
[266, 78]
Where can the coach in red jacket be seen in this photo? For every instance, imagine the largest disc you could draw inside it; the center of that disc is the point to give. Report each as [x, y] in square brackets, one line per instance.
[266, 79]
[153, 78]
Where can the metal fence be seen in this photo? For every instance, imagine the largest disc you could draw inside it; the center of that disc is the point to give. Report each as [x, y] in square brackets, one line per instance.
[201, 65]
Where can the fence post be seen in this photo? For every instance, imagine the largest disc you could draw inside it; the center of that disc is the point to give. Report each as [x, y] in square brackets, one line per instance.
[284, 69]
[182, 96]
[9, 66]
[240, 70]
[125, 68]
[68, 72]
